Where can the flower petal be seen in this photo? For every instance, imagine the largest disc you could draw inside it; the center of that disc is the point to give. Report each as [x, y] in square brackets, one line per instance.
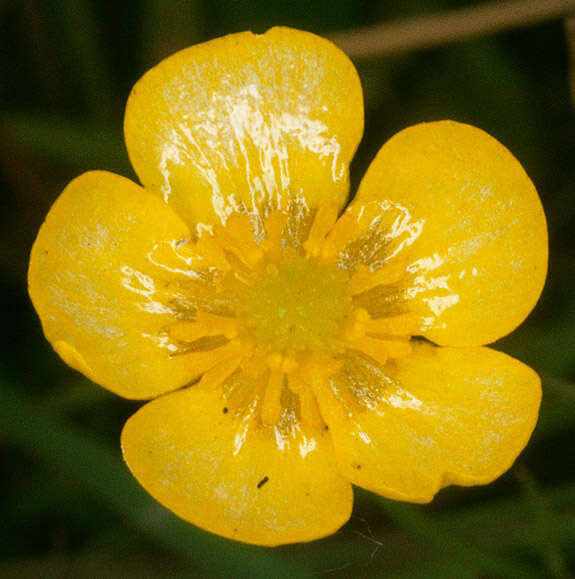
[252, 119]
[478, 245]
[102, 302]
[232, 476]
[442, 416]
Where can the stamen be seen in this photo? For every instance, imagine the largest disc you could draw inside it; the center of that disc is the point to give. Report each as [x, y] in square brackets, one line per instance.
[364, 278]
[255, 366]
[289, 365]
[381, 350]
[294, 319]
[309, 410]
[357, 324]
[206, 324]
[271, 405]
[203, 360]
[371, 347]
[274, 226]
[220, 373]
[207, 247]
[397, 348]
[324, 220]
[237, 238]
[345, 230]
[316, 377]
[401, 325]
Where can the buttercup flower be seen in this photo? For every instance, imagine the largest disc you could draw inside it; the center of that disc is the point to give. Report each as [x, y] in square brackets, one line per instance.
[295, 346]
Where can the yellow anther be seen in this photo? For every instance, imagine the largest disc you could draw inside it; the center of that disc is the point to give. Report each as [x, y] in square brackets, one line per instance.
[295, 382]
[364, 278]
[357, 325]
[289, 365]
[187, 331]
[309, 410]
[214, 324]
[324, 220]
[206, 324]
[381, 350]
[361, 315]
[313, 247]
[371, 347]
[323, 223]
[239, 226]
[271, 404]
[400, 325]
[354, 331]
[220, 373]
[255, 366]
[203, 360]
[397, 348]
[274, 225]
[320, 366]
[285, 364]
[237, 238]
[212, 253]
[274, 361]
[271, 270]
[345, 230]
[317, 381]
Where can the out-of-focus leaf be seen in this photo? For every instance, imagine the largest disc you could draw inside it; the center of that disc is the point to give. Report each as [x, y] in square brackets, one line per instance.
[82, 460]
[411, 519]
[88, 566]
[75, 396]
[170, 26]
[84, 146]
[558, 408]
[543, 528]
[502, 524]
[86, 44]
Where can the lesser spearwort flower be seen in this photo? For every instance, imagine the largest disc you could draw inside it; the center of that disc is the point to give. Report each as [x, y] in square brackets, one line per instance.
[275, 331]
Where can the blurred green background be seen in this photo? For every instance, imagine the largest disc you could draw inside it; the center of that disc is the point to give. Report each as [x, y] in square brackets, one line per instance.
[69, 506]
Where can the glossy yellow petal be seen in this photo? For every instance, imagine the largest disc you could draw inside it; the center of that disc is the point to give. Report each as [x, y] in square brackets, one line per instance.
[470, 225]
[231, 475]
[97, 283]
[246, 119]
[437, 417]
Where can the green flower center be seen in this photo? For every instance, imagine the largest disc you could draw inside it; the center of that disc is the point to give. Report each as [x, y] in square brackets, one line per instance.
[297, 305]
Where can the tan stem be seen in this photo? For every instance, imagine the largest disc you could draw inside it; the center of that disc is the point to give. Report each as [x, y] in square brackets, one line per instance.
[425, 32]
[570, 37]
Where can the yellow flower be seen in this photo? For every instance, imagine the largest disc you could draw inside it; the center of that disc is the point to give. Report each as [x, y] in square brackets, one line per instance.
[273, 330]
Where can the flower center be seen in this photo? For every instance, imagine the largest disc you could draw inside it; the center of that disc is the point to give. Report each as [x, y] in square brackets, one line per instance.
[280, 304]
[297, 306]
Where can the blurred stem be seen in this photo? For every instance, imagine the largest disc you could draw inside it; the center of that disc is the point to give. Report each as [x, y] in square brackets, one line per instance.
[41, 50]
[415, 522]
[85, 145]
[543, 525]
[451, 26]
[170, 26]
[86, 47]
[570, 38]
